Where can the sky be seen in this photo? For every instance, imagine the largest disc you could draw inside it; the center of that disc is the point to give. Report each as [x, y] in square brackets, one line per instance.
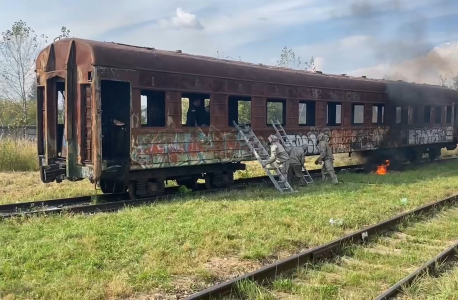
[412, 40]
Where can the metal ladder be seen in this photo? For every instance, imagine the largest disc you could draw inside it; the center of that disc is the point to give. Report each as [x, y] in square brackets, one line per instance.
[287, 144]
[261, 154]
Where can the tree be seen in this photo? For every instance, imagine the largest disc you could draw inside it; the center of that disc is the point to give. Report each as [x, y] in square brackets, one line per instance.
[19, 48]
[288, 59]
[451, 83]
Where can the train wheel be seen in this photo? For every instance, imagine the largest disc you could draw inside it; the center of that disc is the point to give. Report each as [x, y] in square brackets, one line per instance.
[155, 188]
[227, 179]
[219, 180]
[142, 189]
[112, 187]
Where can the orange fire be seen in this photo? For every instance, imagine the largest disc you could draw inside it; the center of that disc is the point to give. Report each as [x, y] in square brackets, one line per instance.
[381, 170]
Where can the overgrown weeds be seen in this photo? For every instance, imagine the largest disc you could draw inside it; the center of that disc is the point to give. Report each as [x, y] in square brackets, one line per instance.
[18, 155]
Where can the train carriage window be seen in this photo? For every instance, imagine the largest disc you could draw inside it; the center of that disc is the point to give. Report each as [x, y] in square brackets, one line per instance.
[153, 108]
[438, 114]
[427, 114]
[334, 114]
[276, 111]
[239, 110]
[307, 113]
[412, 114]
[398, 114]
[448, 116]
[195, 110]
[378, 114]
[357, 113]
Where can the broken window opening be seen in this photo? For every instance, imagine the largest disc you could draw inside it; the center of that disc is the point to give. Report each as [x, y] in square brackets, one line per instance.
[153, 108]
[334, 114]
[448, 116]
[195, 110]
[438, 114]
[276, 111]
[412, 114]
[358, 114]
[378, 114]
[239, 110]
[307, 113]
[60, 90]
[427, 114]
[398, 114]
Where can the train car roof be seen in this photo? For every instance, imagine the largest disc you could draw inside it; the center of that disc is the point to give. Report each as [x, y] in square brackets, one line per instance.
[116, 55]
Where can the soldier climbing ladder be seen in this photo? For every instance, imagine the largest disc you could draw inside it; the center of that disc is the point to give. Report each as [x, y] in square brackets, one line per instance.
[287, 144]
[261, 154]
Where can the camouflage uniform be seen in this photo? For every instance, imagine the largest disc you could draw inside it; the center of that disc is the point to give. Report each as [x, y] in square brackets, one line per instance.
[296, 162]
[327, 158]
[278, 155]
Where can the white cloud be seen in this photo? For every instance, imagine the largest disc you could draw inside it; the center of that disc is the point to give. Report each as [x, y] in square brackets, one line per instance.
[181, 20]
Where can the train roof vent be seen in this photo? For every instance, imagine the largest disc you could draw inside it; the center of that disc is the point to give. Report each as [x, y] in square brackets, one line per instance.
[319, 72]
[364, 76]
[343, 74]
[179, 51]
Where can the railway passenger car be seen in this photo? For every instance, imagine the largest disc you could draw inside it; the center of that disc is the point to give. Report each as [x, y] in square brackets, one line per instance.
[117, 114]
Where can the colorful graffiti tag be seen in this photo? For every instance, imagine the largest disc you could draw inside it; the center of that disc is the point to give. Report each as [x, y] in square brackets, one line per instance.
[174, 148]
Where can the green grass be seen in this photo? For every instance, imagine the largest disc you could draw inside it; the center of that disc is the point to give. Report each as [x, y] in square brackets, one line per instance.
[444, 287]
[18, 155]
[366, 271]
[185, 245]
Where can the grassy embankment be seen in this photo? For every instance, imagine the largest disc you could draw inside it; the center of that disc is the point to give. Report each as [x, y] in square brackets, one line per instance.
[20, 181]
[186, 245]
[366, 271]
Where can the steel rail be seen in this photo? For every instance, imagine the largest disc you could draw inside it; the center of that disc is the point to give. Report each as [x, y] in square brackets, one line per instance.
[83, 203]
[448, 254]
[329, 250]
[111, 206]
[59, 205]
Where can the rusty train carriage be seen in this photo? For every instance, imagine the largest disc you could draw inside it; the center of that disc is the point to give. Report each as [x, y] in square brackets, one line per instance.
[104, 82]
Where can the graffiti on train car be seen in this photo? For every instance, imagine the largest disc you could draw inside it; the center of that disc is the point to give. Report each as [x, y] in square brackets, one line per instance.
[169, 148]
[342, 140]
[430, 135]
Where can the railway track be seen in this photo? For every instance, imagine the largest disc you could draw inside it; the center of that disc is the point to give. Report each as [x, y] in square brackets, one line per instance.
[431, 267]
[331, 250]
[113, 202]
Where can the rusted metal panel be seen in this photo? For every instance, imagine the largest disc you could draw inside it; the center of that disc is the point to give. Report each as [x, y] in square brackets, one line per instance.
[41, 120]
[193, 83]
[347, 117]
[321, 112]
[86, 123]
[258, 112]
[292, 111]
[173, 109]
[50, 121]
[136, 114]
[368, 114]
[70, 105]
[218, 110]
[96, 127]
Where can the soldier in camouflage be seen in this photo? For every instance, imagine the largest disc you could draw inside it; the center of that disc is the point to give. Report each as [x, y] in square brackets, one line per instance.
[278, 155]
[296, 162]
[327, 158]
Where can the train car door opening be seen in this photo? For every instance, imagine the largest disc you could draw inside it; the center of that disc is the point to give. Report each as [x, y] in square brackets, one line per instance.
[115, 99]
